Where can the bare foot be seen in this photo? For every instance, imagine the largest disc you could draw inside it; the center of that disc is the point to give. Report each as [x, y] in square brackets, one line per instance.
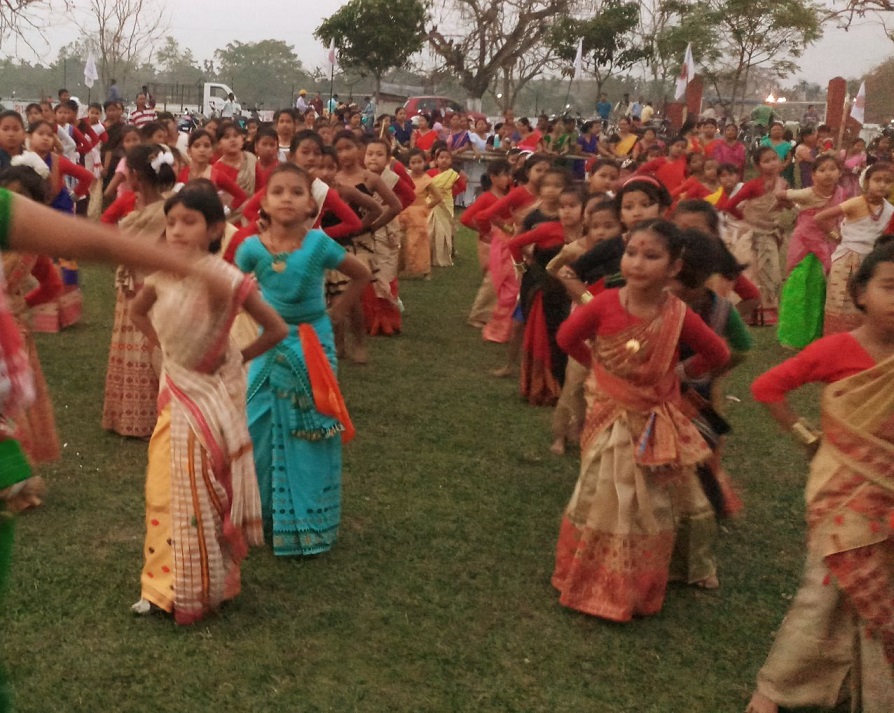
[502, 372]
[761, 704]
[558, 447]
[708, 582]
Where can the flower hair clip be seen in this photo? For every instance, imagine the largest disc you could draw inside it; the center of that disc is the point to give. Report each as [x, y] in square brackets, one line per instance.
[163, 158]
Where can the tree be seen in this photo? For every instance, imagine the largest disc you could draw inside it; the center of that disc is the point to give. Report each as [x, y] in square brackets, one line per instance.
[375, 36]
[752, 34]
[260, 72]
[609, 39]
[20, 16]
[491, 36]
[177, 66]
[123, 33]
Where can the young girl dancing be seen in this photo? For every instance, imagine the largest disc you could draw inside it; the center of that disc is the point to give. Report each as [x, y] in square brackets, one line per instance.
[640, 198]
[839, 631]
[202, 503]
[28, 227]
[638, 451]
[809, 256]
[544, 303]
[546, 210]
[494, 184]
[448, 183]
[296, 416]
[351, 172]
[504, 216]
[36, 429]
[761, 212]
[201, 148]
[131, 388]
[235, 163]
[416, 244]
[865, 219]
[568, 418]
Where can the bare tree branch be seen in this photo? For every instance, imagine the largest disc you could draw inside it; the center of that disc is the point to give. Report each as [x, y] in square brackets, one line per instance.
[125, 33]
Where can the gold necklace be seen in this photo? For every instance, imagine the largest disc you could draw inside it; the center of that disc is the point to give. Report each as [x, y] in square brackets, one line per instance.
[633, 345]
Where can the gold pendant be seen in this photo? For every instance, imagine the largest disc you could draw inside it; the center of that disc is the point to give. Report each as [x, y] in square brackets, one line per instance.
[278, 266]
[633, 346]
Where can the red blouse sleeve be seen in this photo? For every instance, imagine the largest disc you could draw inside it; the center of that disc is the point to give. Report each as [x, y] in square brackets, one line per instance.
[405, 194]
[827, 360]
[49, 282]
[252, 208]
[651, 166]
[581, 326]
[405, 188]
[517, 198]
[545, 234]
[460, 186]
[239, 237]
[752, 189]
[79, 173]
[349, 222]
[84, 146]
[711, 350]
[222, 181]
[471, 216]
[183, 176]
[746, 289]
[122, 205]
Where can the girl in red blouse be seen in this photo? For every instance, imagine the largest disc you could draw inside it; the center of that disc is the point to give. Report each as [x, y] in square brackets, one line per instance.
[235, 163]
[201, 149]
[503, 216]
[495, 183]
[838, 635]
[545, 305]
[638, 451]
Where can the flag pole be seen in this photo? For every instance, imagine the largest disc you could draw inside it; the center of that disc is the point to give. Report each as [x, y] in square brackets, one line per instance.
[331, 80]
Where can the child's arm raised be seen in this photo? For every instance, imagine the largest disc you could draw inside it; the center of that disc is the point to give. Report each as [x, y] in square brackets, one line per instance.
[274, 328]
[38, 229]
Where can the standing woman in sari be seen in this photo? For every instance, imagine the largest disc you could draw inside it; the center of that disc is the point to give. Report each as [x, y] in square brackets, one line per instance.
[441, 230]
[203, 508]
[626, 140]
[424, 136]
[296, 415]
[839, 631]
[638, 451]
[529, 139]
[131, 388]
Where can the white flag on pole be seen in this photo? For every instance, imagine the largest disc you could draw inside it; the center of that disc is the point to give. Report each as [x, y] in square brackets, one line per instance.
[858, 110]
[579, 60]
[687, 73]
[90, 73]
[331, 57]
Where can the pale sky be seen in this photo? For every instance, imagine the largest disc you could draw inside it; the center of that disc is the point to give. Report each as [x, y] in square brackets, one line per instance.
[205, 25]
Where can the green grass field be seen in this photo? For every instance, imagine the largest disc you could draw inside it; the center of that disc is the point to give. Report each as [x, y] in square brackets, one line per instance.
[437, 596]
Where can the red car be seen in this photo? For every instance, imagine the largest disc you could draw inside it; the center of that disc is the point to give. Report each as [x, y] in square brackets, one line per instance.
[444, 106]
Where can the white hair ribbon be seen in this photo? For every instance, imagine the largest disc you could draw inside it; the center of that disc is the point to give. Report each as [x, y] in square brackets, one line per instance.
[163, 158]
[32, 161]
